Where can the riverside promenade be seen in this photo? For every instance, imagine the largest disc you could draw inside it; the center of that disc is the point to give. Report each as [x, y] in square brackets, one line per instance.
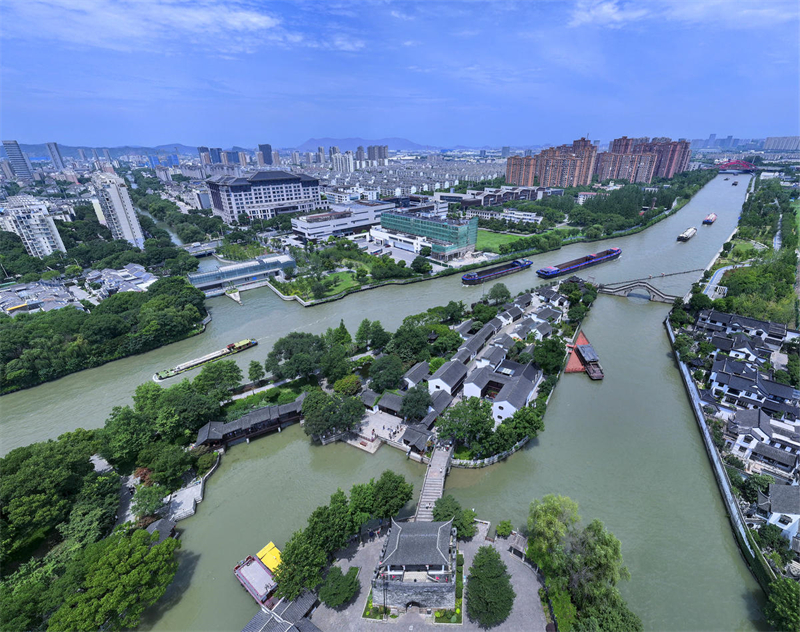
[433, 485]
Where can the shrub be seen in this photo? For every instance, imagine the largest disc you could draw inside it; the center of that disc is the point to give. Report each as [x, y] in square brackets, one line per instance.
[206, 462]
[338, 589]
[504, 529]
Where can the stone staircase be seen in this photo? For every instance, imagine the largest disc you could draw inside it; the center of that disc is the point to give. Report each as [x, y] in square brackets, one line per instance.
[433, 485]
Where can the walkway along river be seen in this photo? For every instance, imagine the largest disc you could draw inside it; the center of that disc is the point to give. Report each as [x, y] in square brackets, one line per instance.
[626, 449]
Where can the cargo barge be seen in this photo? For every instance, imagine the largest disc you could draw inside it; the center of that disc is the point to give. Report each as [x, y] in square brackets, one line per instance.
[578, 264]
[232, 348]
[710, 219]
[476, 278]
[687, 234]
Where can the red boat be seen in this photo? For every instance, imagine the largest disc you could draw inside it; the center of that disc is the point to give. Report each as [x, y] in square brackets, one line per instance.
[255, 577]
[710, 219]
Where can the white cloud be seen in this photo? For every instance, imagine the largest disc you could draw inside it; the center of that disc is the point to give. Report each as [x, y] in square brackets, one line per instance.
[399, 15]
[223, 27]
[412, 43]
[731, 14]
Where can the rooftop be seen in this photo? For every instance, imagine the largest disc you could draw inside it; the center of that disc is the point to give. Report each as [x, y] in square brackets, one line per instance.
[418, 544]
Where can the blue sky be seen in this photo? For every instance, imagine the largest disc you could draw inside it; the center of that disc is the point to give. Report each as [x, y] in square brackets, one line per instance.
[214, 72]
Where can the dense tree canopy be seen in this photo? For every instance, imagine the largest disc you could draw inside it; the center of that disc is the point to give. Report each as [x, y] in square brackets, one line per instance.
[491, 596]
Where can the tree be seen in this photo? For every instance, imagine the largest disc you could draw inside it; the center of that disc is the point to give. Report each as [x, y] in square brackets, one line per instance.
[421, 266]
[755, 483]
[463, 519]
[296, 354]
[595, 565]
[425, 251]
[147, 500]
[783, 607]
[335, 362]
[378, 336]
[386, 373]
[363, 334]
[434, 364]
[301, 566]
[415, 403]
[549, 522]
[499, 293]
[391, 493]
[469, 422]
[255, 371]
[491, 596]
[349, 385]
[453, 312]
[167, 463]
[410, 343]
[125, 434]
[339, 589]
[483, 313]
[362, 502]
[218, 378]
[131, 574]
[504, 528]
[528, 421]
[549, 355]
[326, 413]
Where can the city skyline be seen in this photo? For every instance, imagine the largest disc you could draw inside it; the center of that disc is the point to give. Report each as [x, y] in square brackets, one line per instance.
[237, 74]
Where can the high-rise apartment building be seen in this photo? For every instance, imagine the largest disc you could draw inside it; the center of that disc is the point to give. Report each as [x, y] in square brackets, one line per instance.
[276, 158]
[94, 154]
[29, 218]
[81, 154]
[295, 157]
[19, 162]
[332, 151]
[216, 155]
[263, 195]
[378, 152]
[505, 152]
[562, 166]
[242, 158]
[55, 156]
[361, 155]
[321, 155]
[107, 155]
[782, 143]
[642, 159]
[200, 151]
[343, 162]
[117, 208]
[266, 150]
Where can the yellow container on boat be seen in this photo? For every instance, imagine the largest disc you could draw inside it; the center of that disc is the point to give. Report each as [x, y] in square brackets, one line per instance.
[271, 556]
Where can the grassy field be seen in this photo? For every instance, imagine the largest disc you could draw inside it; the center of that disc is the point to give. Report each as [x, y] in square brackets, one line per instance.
[487, 240]
[342, 280]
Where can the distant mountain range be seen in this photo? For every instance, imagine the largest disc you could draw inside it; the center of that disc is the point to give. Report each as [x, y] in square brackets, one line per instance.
[39, 150]
[353, 143]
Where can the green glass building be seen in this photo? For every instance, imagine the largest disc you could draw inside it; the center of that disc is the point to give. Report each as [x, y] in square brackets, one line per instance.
[450, 238]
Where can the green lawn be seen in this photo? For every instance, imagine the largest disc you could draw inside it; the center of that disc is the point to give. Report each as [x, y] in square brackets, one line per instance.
[487, 240]
[342, 280]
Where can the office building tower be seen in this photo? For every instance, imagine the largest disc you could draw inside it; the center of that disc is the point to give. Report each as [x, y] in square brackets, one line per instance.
[107, 155]
[230, 158]
[117, 208]
[216, 155]
[263, 195]
[266, 149]
[19, 162]
[482, 153]
[55, 156]
[505, 152]
[5, 167]
[361, 155]
[529, 152]
[295, 157]
[201, 151]
[29, 218]
[81, 154]
[562, 166]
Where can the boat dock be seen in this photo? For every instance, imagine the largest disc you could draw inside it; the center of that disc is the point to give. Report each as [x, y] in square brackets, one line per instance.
[584, 359]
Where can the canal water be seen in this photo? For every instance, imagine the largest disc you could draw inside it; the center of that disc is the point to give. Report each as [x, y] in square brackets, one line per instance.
[627, 449]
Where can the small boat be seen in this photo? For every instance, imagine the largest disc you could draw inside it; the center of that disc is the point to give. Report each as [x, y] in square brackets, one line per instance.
[687, 234]
[727, 178]
[476, 278]
[234, 347]
[710, 218]
[256, 578]
[735, 183]
[577, 264]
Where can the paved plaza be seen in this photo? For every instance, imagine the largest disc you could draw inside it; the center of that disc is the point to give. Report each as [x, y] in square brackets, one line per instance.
[527, 613]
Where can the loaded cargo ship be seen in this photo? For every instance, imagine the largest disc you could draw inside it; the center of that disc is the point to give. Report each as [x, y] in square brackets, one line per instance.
[710, 219]
[476, 278]
[687, 234]
[232, 348]
[578, 264]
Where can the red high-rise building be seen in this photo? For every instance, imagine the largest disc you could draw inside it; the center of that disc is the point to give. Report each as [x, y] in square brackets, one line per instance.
[562, 166]
[641, 159]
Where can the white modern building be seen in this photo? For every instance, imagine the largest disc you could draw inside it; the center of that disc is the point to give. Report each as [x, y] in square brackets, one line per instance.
[341, 220]
[263, 195]
[29, 218]
[117, 208]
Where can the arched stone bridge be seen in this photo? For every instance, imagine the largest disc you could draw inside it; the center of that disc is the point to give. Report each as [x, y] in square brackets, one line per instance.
[628, 287]
[624, 288]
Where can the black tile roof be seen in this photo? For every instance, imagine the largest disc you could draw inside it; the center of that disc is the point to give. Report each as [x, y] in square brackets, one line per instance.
[418, 544]
[775, 454]
[391, 401]
[451, 373]
[784, 499]
[418, 372]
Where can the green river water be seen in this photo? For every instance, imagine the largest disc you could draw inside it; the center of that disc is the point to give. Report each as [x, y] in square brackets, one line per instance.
[627, 448]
